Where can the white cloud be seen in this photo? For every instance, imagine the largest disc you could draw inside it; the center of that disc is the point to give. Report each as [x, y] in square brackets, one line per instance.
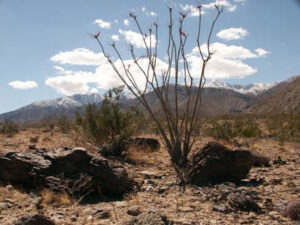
[126, 22]
[79, 56]
[226, 63]
[261, 52]
[233, 33]
[223, 3]
[115, 37]
[229, 51]
[136, 39]
[151, 14]
[240, 1]
[71, 83]
[104, 77]
[116, 21]
[192, 10]
[148, 13]
[103, 24]
[24, 85]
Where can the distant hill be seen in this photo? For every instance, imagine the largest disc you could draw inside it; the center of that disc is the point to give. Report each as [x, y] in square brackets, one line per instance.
[215, 101]
[284, 97]
[51, 109]
[219, 98]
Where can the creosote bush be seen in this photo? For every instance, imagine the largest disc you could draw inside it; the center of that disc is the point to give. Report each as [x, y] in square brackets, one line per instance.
[284, 127]
[236, 127]
[108, 124]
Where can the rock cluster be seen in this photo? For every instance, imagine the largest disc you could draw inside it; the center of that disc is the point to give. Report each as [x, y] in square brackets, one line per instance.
[35, 168]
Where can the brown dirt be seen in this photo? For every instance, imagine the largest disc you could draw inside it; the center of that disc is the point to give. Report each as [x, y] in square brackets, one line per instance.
[159, 193]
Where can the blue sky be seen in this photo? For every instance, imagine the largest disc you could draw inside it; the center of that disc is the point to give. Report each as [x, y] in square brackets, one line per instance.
[46, 52]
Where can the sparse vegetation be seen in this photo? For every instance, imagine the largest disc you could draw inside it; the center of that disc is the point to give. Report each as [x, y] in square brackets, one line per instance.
[8, 128]
[64, 124]
[284, 127]
[230, 128]
[108, 124]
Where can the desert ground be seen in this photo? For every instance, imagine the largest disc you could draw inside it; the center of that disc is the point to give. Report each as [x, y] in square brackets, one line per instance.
[158, 199]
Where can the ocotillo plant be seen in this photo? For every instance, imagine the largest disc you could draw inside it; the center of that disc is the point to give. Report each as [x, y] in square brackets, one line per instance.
[178, 129]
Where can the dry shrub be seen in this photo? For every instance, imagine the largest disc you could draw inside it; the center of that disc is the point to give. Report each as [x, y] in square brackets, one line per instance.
[55, 199]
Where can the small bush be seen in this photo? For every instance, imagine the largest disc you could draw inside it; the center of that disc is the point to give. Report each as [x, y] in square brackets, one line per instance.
[9, 128]
[231, 128]
[108, 123]
[63, 124]
[284, 127]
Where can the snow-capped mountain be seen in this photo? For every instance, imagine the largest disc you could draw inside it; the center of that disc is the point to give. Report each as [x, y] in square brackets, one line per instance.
[250, 89]
[233, 97]
[52, 109]
[77, 100]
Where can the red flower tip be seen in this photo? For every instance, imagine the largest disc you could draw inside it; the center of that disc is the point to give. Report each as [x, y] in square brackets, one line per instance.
[199, 6]
[182, 33]
[216, 6]
[96, 35]
[155, 24]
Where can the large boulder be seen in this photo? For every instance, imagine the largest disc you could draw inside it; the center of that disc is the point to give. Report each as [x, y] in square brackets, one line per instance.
[215, 163]
[37, 168]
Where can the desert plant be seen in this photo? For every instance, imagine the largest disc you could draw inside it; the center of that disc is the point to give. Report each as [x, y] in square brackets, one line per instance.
[63, 124]
[284, 127]
[229, 128]
[108, 124]
[9, 128]
[179, 134]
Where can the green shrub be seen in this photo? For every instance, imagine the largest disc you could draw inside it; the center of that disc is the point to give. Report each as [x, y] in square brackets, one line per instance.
[227, 129]
[105, 123]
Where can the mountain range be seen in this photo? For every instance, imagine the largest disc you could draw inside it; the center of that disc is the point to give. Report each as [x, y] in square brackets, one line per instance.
[219, 98]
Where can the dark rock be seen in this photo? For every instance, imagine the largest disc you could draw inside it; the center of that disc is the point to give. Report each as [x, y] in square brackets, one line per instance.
[243, 202]
[293, 210]
[33, 169]
[148, 218]
[133, 211]
[216, 163]
[149, 143]
[36, 219]
[260, 160]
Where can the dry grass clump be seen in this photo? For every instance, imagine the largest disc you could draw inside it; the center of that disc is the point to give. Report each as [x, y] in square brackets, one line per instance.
[55, 199]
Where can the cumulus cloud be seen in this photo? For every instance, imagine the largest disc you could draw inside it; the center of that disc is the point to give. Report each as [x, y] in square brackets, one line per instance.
[126, 22]
[224, 3]
[194, 11]
[103, 24]
[115, 37]
[104, 77]
[79, 56]
[233, 33]
[73, 82]
[24, 85]
[261, 52]
[226, 63]
[136, 39]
